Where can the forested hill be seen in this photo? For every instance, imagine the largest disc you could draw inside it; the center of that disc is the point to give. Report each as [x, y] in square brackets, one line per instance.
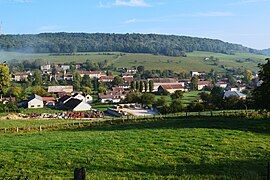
[170, 45]
[266, 51]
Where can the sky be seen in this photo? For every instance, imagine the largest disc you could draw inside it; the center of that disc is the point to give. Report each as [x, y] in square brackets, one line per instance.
[244, 22]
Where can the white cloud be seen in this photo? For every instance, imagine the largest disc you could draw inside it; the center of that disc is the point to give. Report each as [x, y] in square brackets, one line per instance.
[131, 3]
[124, 3]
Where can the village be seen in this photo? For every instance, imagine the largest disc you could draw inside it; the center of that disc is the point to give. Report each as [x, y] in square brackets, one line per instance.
[79, 88]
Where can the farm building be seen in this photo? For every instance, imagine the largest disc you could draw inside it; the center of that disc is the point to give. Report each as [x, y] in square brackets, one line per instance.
[171, 88]
[49, 101]
[236, 94]
[60, 89]
[163, 81]
[114, 96]
[35, 102]
[76, 105]
[203, 84]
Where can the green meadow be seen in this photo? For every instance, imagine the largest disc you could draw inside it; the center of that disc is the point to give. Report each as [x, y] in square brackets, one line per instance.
[173, 148]
[194, 61]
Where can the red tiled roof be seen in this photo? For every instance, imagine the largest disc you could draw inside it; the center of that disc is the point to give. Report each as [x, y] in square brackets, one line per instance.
[204, 83]
[47, 99]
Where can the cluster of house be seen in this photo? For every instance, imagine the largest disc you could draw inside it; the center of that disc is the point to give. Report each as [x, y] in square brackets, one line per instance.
[73, 101]
[68, 100]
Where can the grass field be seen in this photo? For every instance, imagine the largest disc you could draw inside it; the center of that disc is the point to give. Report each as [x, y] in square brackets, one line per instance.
[194, 61]
[188, 97]
[212, 148]
[33, 123]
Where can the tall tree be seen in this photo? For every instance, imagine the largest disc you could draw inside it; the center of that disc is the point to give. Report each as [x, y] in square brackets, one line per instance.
[145, 86]
[141, 86]
[137, 85]
[194, 83]
[86, 81]
[248, 76]
[4, 78]
[77, 79]
[261, 94]
[151, 86]
[37, 78]
[132, 85]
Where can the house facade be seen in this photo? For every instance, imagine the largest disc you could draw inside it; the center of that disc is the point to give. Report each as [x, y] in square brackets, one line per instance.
[35, 102]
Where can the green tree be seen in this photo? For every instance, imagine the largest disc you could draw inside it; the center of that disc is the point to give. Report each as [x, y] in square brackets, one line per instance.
[261, 94]
[87, 90]
[4, 78]
[145, 86]
[137, 85]
[39, 91]
[140, 69]
[248, 76]
[194, 83]
[37, 78]
[86, 81]
[118, 80]
[133, 85]
[16, 91]
[151, 86]
[176, 106]
[177, 95]
[148, 99]
[77, 79]
[141, 86]
[133, 97]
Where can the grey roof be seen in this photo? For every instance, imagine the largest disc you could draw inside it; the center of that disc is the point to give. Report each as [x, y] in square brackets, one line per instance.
[234, 93]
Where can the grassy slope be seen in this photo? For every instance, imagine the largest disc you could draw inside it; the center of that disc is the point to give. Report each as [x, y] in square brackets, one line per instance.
[194, 61]
[194, 148]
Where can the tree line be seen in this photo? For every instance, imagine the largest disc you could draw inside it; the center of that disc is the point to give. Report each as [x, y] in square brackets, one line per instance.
[170, 45]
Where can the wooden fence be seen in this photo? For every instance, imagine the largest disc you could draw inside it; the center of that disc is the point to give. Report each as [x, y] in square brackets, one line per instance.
[130, 119]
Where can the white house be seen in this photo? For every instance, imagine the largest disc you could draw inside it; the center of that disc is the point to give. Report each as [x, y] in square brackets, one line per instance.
[35, 102]
[114, 96]
[222, 84]
[85, 98]
[203, 84]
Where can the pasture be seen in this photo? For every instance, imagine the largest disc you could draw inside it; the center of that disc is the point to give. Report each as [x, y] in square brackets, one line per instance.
[194, 61]
[176, 148]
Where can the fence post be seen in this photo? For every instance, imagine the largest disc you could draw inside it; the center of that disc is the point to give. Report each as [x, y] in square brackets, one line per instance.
[17, 129]
[40, 128]
[79, 174]
[5, 130]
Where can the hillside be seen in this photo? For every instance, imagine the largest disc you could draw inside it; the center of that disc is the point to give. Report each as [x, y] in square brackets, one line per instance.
[169, 45]
[194, 61]
[266, 51]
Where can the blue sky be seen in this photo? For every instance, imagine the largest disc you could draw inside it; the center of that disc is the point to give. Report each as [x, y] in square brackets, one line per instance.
[240, 21]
